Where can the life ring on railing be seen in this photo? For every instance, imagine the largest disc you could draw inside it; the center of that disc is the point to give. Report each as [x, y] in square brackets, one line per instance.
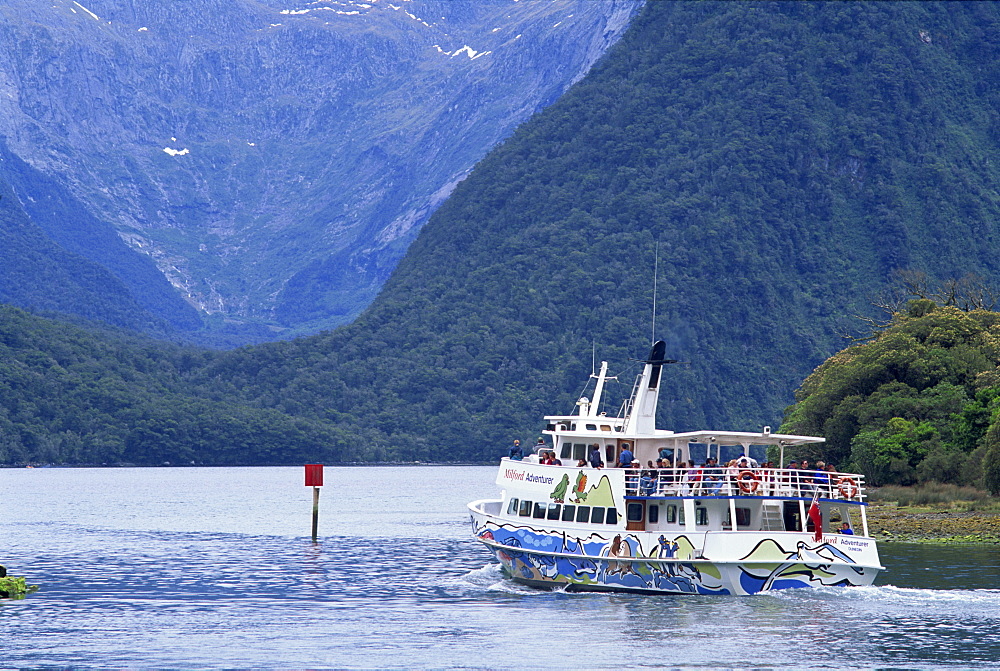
[847, 487]
[748, 485]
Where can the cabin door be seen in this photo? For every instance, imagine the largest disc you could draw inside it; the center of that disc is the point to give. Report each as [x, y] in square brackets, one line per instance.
[790, 513]
[635, 516]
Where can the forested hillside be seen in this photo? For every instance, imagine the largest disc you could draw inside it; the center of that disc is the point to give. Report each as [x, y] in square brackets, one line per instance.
[786, 158]
[86, 396]
[918, 403]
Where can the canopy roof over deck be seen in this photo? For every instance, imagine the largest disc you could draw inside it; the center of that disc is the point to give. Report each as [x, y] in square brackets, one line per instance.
[742, 438]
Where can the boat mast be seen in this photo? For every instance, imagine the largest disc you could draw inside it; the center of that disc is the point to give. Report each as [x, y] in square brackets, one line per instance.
[595, 405]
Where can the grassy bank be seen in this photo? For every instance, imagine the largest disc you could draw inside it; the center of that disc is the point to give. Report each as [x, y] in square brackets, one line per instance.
[934, 513]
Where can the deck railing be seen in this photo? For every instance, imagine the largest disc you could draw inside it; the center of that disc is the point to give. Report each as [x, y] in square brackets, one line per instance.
[790, 482]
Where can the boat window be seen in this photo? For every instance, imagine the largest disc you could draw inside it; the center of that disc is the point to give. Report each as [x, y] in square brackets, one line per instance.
[572, 427]
[605, 427]
[701, 516]
[597, 515]
[653, 515]
[539, 511]
[591, 427]
[671, 514]
[525, 509]
[612, 516]
[667, 454]
[564, 452]
[512, 508]
[680, 515]
[634, 512]
[609, 455]
[579, 451]
[553, 511]
[583, 513]
[569, 513]
[742, 518]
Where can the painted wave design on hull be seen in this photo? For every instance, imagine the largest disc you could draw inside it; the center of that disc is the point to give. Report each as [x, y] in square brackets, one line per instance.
[540, 557]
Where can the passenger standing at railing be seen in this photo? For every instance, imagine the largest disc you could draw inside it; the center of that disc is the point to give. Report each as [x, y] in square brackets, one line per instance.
[806, 486]
[595, 456]
[821, 479]
[668, 475]
[732, 475]
[625, 457]
[791, 477]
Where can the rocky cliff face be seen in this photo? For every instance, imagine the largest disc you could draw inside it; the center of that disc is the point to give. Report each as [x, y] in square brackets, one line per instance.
[274, 159]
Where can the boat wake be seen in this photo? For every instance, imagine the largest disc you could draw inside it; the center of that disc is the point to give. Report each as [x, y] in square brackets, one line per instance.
[490, 578]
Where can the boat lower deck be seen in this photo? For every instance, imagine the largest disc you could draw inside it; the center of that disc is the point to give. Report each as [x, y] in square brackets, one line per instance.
[593, 557]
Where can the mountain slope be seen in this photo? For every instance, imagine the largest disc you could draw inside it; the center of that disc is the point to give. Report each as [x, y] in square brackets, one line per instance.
[778, 162]
[38, 274]
[787, 157]
[274, 159]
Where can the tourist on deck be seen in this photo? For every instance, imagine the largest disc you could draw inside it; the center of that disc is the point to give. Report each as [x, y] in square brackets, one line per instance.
[625, 457]
[806, 486]
[581, 462]
[791, 478]
[540, 446]
[845, 529]
[733, 470]
[595, 456]
[647, 484]
[822, 479]
[553, 459]
[692, 478]
[711, 476]
[516, 453]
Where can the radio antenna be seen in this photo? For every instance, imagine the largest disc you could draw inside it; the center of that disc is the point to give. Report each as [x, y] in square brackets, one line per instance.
[656, 269]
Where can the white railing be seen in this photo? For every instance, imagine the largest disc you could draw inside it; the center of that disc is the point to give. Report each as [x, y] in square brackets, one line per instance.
[707, 481]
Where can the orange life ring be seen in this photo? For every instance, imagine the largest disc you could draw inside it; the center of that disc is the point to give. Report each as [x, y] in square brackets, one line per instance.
[748, 485]
[847, 488]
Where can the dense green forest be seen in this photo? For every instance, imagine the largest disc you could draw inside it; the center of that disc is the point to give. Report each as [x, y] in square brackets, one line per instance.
[70, 395]
[920, 402]
[779, 161]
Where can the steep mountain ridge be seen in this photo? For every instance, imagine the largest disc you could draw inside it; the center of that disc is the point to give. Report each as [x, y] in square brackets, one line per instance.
[275, 160]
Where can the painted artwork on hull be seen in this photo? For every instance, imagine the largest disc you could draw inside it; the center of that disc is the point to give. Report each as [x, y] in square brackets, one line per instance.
[597, 561]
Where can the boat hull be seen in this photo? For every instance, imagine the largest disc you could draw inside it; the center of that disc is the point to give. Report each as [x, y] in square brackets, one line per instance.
[686, 563]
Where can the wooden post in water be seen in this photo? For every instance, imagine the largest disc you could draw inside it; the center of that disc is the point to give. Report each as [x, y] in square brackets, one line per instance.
[314, 479]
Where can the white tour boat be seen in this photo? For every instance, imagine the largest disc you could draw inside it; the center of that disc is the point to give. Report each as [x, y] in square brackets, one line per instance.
[679, 529]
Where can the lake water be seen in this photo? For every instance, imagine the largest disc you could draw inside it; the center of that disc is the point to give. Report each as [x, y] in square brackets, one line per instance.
[213, 568]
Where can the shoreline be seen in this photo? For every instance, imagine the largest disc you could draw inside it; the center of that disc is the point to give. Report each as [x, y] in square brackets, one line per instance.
[890, 522]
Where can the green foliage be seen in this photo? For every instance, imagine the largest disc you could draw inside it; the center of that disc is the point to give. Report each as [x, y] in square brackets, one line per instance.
[70, 396]
[12, 587]
[915, 403]
[991, 461]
